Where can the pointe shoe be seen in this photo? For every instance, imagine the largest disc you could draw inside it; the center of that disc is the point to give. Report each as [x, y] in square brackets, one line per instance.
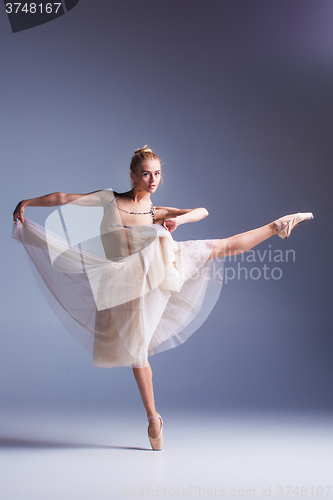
[156, 443]
[285, 224]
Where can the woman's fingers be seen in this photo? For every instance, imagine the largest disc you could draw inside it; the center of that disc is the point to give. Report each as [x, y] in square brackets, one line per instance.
[18, 213]
[18, 217]
[170, 224]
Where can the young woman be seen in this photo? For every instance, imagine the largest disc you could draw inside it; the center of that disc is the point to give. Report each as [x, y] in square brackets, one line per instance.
[138, 298]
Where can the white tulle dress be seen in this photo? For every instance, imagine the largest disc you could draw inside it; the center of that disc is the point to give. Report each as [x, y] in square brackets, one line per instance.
[124, 292]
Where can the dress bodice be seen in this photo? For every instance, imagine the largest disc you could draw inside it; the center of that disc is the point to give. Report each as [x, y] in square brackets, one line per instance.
[121, 240]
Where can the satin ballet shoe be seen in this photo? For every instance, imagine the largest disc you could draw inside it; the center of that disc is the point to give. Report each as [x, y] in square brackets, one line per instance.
[156, 443]
[285, 224]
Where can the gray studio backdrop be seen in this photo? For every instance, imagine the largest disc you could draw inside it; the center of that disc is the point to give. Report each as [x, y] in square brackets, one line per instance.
[236, 98]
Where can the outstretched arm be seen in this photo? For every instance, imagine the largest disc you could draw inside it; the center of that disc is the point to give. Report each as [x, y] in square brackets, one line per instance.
[52, 200]
[173, 217]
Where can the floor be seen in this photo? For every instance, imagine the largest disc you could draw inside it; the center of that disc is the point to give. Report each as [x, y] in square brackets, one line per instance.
[101, 456]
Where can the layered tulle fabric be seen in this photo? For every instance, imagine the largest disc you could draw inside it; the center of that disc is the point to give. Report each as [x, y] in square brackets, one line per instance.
[128, 293]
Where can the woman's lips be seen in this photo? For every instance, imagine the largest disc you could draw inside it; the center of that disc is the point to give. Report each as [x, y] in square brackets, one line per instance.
[152, 186]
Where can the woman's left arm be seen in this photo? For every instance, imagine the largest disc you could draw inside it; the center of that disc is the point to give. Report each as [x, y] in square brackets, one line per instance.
[174, 217]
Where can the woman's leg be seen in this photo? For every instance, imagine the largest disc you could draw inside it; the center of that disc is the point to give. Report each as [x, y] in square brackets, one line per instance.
[242, 242]
[144, 379]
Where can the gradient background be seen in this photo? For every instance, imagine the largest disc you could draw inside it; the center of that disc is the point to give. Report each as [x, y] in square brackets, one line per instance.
[236, 98]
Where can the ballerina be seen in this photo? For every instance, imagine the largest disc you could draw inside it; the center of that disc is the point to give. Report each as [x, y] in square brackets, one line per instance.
[149, 287]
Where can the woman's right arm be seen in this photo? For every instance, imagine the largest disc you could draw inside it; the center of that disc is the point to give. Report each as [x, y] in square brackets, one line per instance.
[48, 200]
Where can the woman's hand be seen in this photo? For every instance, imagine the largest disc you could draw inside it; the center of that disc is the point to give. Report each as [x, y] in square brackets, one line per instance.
[19, 211]
[170, 224]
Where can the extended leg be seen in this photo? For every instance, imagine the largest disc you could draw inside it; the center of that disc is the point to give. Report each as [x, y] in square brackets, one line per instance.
[242, 242]
[144, 379]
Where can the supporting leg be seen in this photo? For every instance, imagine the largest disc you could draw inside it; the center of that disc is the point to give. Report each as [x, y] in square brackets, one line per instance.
[144, 379]
[242, 242]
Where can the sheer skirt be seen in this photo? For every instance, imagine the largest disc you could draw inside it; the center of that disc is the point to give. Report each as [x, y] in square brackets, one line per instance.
[124, 308]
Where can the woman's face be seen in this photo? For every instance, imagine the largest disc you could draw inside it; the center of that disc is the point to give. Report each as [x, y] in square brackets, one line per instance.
[147, 176]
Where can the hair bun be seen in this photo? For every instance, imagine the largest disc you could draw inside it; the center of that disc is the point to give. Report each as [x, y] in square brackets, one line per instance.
[145, 149]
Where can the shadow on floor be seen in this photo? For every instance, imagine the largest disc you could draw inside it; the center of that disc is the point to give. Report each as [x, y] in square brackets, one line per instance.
[12, 442]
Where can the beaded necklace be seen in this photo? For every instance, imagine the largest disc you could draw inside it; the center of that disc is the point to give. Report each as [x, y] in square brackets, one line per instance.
[151, 211]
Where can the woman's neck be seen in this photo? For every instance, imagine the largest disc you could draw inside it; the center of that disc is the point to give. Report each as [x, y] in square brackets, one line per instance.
[139, 196]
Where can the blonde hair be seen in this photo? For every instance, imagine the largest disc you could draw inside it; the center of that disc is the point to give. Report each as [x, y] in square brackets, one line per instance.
[142, 154]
